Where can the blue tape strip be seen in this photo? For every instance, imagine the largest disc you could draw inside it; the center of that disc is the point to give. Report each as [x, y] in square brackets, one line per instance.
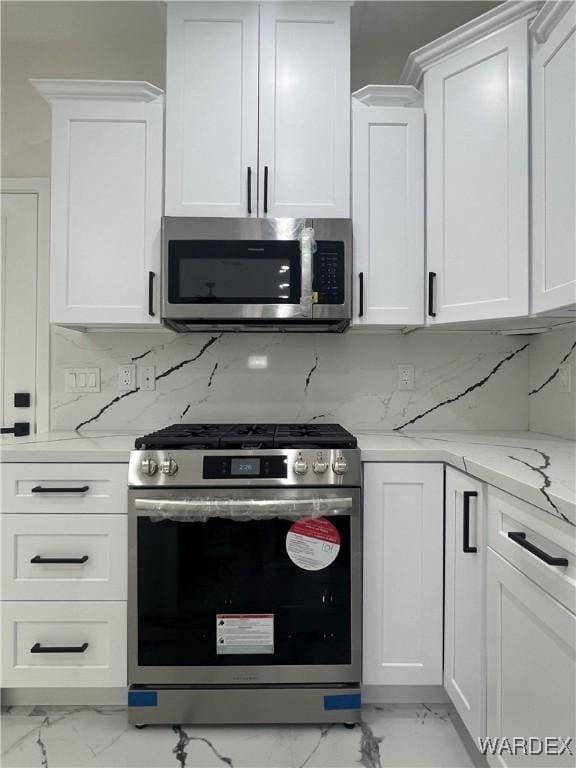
[343, 701]
[142, 698]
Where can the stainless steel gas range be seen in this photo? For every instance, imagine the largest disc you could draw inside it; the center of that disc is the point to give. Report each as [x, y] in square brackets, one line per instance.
[245, 575]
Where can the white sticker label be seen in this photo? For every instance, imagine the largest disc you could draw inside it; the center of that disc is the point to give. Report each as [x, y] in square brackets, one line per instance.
[244, 633]
[313, 543]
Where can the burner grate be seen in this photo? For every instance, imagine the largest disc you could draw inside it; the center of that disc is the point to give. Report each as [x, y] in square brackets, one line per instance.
[243, 436]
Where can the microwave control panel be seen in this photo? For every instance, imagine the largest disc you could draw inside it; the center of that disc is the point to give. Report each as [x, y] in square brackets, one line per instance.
[328, 281]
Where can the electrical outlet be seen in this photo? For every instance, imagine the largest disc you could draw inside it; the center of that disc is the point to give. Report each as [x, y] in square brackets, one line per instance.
[126, 377]
[565, 377]
[147, 378]
[82, 379]
[405, 377]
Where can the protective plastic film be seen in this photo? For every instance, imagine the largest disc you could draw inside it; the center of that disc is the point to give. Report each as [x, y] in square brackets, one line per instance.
[190, 509]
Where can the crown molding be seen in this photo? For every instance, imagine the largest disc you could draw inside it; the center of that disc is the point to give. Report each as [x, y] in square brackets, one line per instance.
[97, 90]
[422, 59]
[388, 96]
[548, 17]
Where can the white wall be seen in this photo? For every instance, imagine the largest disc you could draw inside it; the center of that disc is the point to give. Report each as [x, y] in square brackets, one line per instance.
[93, 40]
[551, 410]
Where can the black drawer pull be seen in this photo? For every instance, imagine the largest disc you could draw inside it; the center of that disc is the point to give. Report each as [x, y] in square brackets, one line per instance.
[519, 537]
[37, 648]
[360, 294]
[38, 559]
[41, 489]
[467, 495]
[431, 296]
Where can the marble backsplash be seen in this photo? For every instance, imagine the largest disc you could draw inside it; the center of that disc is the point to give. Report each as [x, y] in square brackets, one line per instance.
[462, 381]
[552, 409]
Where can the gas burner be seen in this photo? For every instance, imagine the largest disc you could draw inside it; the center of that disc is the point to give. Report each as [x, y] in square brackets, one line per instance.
[247, 436]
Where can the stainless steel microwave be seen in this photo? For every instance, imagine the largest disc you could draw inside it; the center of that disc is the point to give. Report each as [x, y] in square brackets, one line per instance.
[256, 274]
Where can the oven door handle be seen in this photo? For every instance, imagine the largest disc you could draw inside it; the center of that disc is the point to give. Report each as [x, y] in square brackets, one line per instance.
[200, 509]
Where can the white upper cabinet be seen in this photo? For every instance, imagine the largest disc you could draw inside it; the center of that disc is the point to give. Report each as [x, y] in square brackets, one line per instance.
[305, 109]
[212, 109]
[388, 205]
[554, 158]
[258, 109]
[106, 202]
[475, 83]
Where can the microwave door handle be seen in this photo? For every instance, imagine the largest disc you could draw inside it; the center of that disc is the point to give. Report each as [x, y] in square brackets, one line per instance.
[306, 279]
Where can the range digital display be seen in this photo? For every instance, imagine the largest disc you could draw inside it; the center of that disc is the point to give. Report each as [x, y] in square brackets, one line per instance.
[249, 466]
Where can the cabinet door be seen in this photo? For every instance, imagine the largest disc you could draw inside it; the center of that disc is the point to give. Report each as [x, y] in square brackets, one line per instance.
[388, 215]
[464, 599]
[531, 643]
[554, 168]
[106, 212]
[212, 109]
[305, 109]
[477, 180]
[403, 512]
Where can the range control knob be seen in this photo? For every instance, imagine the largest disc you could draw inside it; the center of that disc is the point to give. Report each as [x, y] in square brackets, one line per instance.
[300, 466]
[340, 465]
[149, 466]
[169, 466]
[319, 466]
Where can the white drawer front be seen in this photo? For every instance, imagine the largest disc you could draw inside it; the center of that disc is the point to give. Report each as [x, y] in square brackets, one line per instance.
[100, 628]
[94, 488]
[507, 514]
[96, 542]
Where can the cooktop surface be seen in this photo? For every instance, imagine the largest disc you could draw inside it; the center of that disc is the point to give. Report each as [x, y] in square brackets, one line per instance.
[215, 436]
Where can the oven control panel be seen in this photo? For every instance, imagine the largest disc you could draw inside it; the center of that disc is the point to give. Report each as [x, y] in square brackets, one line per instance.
[230, 467]
[245, 467]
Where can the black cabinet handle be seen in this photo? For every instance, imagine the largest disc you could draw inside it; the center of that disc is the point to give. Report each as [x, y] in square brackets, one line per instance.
[249, 190]
[37, 648]
[38, 559]
[467, 495]
[20, 429]
[519, 537]
[80, 489]
[265, 189]
[360, 294]
[151, 276]
[431, 296]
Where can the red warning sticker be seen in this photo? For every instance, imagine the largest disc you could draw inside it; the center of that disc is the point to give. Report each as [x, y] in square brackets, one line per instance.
[313, 543]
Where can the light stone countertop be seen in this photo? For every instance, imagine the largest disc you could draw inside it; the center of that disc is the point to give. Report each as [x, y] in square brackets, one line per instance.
[537, 468]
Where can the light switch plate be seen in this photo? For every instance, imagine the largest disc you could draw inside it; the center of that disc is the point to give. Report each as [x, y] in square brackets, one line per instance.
[82, 380]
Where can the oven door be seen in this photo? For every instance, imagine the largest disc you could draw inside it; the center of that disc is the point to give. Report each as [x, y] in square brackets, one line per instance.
[244, 586]
[218, 269]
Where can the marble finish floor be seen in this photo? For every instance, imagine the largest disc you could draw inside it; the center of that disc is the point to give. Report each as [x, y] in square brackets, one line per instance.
[418, 736]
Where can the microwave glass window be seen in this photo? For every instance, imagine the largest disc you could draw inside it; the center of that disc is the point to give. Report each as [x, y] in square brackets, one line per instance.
[233, 272]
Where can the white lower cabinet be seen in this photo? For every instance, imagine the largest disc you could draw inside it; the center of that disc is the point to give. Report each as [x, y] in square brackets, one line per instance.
[82, 558]
[64, 575]
[531, 664]
[464, 599]
[403, 554]
[55, 643]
